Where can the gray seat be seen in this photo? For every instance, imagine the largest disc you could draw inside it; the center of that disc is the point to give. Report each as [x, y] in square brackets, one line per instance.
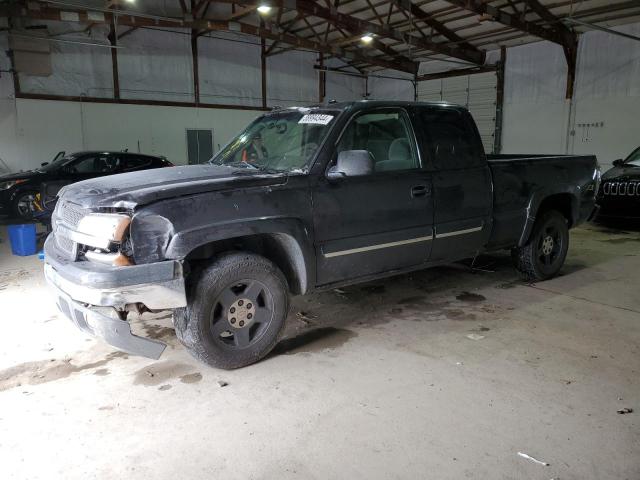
[400, 157]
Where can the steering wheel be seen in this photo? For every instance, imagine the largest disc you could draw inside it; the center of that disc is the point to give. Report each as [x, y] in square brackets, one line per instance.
[309, 149]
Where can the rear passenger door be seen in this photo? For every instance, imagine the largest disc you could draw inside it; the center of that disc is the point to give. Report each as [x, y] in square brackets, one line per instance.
[370, 224]
[461, 182]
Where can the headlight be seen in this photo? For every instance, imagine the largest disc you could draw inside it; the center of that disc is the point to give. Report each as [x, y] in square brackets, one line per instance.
[104, 226]
[9, 184]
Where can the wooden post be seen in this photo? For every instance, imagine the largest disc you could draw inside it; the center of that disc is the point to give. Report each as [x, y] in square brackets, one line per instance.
[194, 56]
[571, 54]
[263, 68]
[113, 40]
[322, 79]
[497, 139]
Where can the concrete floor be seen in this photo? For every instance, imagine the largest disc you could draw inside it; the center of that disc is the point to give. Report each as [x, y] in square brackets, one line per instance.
[390, 387]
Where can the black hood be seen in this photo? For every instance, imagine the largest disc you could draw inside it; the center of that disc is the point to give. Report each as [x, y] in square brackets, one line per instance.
[129, 190]
[20, 176]
[622, 173]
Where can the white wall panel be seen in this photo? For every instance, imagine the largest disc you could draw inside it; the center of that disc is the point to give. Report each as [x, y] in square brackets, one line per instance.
[229, 70]
[607, 93]
[156, 65]
[35, 130]
[76, 69]
[430, 91]
[608, 65]
[534, 127]
[291, 79]
[476, 92]
[390, 88]
[619, 133]
[535, 73]
[482, 105]
[343, 88]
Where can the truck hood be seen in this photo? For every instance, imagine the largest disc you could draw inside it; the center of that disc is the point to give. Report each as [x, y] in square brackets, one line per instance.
[622, 173]
[130, 190]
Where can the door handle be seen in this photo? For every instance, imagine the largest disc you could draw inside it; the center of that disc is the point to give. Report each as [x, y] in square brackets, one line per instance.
[420, 191]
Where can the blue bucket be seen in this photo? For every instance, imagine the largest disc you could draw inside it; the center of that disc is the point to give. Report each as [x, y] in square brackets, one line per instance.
[23, 239]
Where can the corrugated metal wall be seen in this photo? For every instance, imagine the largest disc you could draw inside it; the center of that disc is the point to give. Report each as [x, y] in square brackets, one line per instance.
[477, 92]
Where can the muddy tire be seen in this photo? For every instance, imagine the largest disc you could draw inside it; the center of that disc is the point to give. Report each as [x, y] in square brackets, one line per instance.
[546, 250]
[236, 310]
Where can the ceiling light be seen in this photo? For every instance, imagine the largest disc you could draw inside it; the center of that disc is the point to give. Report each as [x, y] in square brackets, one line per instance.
[264, 9]
[130, 1]
[367, 38]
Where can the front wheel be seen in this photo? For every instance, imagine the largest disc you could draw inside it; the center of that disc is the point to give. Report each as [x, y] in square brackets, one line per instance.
[544, 254]
[23, 205]
[236, 310]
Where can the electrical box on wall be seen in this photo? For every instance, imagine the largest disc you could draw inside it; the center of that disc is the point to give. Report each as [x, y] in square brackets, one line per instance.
[587, 129]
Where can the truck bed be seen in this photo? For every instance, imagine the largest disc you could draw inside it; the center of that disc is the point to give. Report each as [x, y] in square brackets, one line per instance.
[519, 180]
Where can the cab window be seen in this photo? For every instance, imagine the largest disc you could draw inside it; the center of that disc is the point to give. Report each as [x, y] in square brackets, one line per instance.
[452, 142]
[385, 134]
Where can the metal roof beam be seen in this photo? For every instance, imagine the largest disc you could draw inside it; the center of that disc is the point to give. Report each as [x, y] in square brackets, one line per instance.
[358, 26]
[419, 14]
[133, 19]
[508, 19]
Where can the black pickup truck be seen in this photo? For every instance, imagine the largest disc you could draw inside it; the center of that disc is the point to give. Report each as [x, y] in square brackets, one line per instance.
[303, 199]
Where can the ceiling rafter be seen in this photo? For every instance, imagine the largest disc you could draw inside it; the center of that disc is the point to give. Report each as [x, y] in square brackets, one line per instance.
[419, 14]
[132, 19]
[496, 15]
[357, 25]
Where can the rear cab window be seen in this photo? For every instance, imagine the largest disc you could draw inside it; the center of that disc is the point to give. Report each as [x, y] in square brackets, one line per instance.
[450, 139]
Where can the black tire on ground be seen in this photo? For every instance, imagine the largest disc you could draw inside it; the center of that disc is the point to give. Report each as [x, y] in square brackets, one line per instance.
[236, 310]
[543, 255]
[20, 208]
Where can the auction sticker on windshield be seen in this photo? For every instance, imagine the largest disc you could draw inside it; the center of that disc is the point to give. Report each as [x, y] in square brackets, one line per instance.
[316, 119]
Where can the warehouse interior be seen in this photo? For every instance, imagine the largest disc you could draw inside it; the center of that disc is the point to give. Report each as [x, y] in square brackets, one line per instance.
[459, 371]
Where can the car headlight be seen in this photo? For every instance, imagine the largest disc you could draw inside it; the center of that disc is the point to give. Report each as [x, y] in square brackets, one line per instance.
[104, 226]
[9, 184]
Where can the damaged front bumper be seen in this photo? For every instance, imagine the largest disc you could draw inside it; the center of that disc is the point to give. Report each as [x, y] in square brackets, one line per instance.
[91, 295]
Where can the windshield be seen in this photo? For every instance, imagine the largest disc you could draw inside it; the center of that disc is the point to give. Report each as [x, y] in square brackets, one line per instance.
[634, 158]
[57, 163]
[284, 141]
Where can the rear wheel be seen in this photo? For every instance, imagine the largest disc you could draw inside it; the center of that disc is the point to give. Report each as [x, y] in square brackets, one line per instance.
[544, 254]
[236, 311]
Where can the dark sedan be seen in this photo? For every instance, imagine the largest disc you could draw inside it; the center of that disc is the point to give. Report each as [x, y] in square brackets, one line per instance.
[18, 190]
[619, 194]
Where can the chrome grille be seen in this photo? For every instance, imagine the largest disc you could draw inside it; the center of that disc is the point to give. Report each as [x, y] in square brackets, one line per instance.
[67, 245]
[621, 189]
[67, 215]
[70, 215]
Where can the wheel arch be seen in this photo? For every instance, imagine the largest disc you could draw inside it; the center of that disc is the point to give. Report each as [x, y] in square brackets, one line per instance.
[288, 247]
[564, 201]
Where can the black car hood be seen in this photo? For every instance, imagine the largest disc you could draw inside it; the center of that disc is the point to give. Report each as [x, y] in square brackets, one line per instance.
[622, 174]
[20, 176]
[130, 190]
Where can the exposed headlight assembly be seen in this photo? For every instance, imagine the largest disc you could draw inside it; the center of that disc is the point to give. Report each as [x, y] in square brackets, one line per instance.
[101, 230]
[109, 227]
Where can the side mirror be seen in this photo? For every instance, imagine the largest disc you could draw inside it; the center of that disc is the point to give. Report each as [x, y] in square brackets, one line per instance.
[618, 163]
[351, 163]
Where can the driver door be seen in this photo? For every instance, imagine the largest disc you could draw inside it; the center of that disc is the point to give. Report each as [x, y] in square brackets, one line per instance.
[380, 222]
